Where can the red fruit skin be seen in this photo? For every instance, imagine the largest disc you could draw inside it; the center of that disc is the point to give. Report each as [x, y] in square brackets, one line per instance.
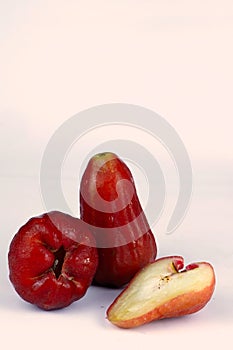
[124, 239]
[34, 252]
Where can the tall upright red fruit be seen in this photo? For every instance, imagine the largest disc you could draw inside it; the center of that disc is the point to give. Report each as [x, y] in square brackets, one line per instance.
[110, 205]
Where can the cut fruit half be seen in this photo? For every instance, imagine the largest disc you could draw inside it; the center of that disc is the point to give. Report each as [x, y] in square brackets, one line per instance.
[163, 289]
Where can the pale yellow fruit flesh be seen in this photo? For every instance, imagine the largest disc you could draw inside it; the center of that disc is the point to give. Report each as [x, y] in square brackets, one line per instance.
[156, 285]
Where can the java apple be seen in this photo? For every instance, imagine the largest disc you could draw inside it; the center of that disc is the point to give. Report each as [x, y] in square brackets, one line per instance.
[163, 289]
[52, 260]
[110, 205]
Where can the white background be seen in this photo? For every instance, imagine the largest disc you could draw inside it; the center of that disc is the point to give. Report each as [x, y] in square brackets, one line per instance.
[175, 57]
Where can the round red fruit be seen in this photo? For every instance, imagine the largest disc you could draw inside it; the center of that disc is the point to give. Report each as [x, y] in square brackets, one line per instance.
[52, 260]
